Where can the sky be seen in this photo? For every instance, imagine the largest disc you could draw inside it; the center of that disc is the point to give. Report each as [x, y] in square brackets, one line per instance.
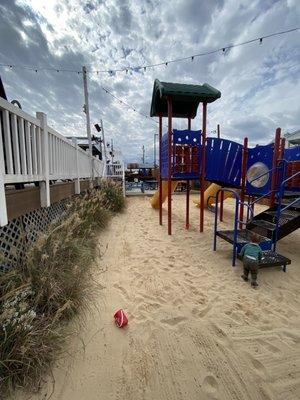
[260, 83]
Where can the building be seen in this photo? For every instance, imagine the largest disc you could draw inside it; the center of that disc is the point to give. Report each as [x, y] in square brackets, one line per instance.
[293, 139]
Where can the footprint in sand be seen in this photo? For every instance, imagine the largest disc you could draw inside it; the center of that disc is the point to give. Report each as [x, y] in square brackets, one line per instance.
[260, 368]
[270, 347]
[210, 385]
[173, 321]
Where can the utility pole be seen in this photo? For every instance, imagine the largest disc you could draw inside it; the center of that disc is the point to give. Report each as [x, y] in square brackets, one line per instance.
[103, 140]
[88, 122]
[143, 157]
[112, 150]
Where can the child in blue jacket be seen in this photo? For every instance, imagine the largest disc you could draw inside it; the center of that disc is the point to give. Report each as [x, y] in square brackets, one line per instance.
[251, 254]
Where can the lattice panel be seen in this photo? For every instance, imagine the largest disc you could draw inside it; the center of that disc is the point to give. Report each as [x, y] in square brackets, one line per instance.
[21, 232]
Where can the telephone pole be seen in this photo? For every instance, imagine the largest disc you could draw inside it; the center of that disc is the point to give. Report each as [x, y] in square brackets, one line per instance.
[88, 122]
[103, 140]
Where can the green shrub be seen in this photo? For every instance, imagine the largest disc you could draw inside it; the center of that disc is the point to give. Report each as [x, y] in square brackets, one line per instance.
[112, 193]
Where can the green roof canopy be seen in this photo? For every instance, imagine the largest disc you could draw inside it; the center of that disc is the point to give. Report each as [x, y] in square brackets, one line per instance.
[185, 98]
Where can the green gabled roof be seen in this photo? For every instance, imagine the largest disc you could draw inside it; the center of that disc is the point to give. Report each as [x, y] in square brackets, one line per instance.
[185, 98]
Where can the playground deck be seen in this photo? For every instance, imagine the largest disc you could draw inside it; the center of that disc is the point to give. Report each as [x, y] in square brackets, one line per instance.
[196, 330]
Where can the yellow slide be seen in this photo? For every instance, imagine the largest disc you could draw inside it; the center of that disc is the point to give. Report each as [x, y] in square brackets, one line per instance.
[155, 198]
[209, 192]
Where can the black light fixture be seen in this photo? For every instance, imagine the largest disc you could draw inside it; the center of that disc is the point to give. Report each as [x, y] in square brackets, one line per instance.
[97, 127]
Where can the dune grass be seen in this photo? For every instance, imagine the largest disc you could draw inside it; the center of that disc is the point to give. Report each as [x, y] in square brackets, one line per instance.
[48, 288]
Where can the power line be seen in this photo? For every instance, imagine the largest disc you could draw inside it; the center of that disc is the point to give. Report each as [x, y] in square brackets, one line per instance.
[128, 105]
[127, 69]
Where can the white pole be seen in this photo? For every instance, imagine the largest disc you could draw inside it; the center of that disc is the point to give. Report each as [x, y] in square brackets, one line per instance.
[44, 185]
[104, 156]
[88, 122]
[3, 209]
[103, 140]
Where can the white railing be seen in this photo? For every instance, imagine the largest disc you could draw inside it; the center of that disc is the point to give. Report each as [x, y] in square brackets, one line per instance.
[116, 170]
[31, 151]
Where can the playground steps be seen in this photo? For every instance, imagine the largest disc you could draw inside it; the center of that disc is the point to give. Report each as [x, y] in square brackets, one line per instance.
[265, 223]
[272, 259]
[269, 258]
[243, 237]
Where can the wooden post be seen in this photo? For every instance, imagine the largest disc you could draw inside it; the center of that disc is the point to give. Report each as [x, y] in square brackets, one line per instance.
[159, 171]
[3, 209]
[77, 180]
[44, 185]
[243, 180]
[170, 151]
[218, 131]
[202, 175]
[187, 217]
[275, 159]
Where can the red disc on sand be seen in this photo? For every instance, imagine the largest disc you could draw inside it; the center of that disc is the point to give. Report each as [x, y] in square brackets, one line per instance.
[121, 318]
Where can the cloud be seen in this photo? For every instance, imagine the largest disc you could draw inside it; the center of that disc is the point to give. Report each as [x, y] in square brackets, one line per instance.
[259, 83]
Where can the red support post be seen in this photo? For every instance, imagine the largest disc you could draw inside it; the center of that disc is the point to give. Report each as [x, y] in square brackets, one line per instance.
[276, 154]
[243, 180]
[282, 147]
[187, 216]
[218, 131]
[159, 177]
[221, 206]
[202, 175]
[170, 158]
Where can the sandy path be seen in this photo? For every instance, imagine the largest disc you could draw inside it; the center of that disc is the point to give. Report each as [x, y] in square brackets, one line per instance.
[196, 330]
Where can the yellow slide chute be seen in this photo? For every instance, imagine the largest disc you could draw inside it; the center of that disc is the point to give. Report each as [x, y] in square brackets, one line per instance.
[209, 192]
[155, 198]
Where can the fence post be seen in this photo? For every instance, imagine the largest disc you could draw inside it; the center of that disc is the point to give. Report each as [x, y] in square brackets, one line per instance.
[77, 180]
[44, 185]
[123, 180]
[3, 209]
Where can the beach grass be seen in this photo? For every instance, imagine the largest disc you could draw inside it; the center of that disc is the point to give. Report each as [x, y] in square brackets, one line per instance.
[51, 285]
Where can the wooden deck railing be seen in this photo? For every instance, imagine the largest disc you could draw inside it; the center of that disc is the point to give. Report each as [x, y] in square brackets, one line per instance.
[32, 151]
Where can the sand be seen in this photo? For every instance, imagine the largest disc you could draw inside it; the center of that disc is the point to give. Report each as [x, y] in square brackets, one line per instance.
[196, 330]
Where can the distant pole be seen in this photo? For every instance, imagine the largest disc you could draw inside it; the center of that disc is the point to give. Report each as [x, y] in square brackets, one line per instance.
[143, 157]
[218, 131]
[112, 150]
[88, 121]
[103, 140]
[154, 150]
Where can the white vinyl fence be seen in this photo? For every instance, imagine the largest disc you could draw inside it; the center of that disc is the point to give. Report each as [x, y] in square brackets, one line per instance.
[31, 151]
[116, 171]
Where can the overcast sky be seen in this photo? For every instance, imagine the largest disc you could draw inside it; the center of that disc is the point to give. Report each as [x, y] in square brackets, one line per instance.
[260, 84]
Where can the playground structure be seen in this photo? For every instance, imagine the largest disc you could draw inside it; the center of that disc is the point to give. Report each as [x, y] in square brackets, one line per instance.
[270, 173]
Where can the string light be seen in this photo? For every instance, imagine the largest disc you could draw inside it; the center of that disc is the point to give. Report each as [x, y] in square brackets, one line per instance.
[112, 72]
[128, 105]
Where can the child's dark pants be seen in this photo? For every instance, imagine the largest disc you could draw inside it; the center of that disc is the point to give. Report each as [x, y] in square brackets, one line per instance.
[252, 267]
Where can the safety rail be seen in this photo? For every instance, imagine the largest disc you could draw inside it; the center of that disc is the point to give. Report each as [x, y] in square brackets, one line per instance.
[236, 221]
[32, 151]
[280, 210]
[116, 171]
[282, 164]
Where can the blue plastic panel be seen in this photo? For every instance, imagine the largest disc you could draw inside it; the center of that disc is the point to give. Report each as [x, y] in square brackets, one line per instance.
[223, 161]
[292, 154]
[261, 154]
[184, 137]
